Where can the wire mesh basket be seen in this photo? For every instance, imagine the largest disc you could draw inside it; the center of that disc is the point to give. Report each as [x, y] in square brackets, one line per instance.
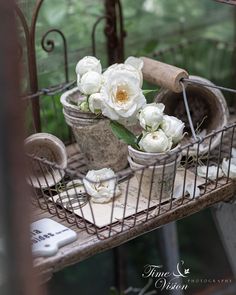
[141, 198]
[147, 192]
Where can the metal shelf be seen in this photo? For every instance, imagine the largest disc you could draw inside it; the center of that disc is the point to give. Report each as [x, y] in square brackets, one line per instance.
[88, 245]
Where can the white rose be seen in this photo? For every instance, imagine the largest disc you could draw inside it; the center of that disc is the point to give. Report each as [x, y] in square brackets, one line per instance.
[95, 102]
[137, 63]
[122, 96]
[189, 188]
[229, 166]
[151, 116]
[101, 185]
[84, 107]
[88, 63]
[123, 70]
[78, 78]
[211, 172]
[173, 128]
[155, 142]
[90, 83]
[233, 153]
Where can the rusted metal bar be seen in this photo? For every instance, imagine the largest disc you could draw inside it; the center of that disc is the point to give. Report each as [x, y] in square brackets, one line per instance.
[14, 203]
[232, 2]
[49, 44]
[31, 59]
[114, 31]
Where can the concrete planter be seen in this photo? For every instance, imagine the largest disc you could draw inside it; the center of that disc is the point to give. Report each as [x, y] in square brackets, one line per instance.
[157, 181]
[46, 147]
[145, 158]
[208, 109]
[93, 136]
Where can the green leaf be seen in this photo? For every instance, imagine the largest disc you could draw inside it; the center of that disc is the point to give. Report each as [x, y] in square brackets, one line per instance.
[113, 291]
[139, 138]
[124, 134]
[147, 91]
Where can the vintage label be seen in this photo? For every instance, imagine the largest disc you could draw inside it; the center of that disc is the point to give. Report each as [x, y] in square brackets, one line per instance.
[47, 236]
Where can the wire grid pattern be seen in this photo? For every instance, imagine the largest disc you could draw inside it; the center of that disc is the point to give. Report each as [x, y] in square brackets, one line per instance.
[66, 205]
[156, 202]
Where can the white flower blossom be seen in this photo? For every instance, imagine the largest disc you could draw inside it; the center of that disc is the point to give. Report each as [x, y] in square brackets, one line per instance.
[233, 153]
[188, 189]
[122, 96]
[211, 172]
[90, 83]
[151, 116]
[155, 142]
[95, 102]
[101, 185]
[78, 79]
[173, 127]
[229, 165]
[84, 107]
[132, 67]
[88, 63]
[137, 63]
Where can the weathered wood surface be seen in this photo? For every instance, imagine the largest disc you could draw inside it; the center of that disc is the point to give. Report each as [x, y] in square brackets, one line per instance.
[89, 245]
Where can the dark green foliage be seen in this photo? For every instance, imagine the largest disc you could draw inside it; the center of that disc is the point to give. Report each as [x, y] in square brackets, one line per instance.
[124, 134]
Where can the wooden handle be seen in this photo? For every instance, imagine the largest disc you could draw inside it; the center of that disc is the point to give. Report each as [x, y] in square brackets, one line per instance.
[162, 74]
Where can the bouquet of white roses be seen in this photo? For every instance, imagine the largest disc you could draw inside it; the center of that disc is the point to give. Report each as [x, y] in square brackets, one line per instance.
[117, 94]
[161, 132]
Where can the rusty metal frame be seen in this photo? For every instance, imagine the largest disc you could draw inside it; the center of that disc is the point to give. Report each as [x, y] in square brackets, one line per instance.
[232, 2]
[114, 32]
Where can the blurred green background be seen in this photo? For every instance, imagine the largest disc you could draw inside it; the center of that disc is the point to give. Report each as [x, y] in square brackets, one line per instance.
[197, 35]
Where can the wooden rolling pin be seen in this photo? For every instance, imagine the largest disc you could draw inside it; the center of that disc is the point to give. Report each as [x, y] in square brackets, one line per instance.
[162, 74]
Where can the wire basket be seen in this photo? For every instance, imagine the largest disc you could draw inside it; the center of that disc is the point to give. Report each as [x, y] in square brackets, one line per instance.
[147, 192]
[141, 199]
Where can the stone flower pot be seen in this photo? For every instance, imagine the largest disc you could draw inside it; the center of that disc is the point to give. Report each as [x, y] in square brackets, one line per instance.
[208, 109]
[48, 147]
[93, 135]
[157, 178]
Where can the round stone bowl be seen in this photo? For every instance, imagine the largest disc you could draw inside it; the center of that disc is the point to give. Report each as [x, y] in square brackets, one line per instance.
[41, 147]
[93, 134]
[208, 109]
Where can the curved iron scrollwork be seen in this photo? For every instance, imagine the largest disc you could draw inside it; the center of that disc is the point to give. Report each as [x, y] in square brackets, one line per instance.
[48, 45]
[93, 35]
[114, 32]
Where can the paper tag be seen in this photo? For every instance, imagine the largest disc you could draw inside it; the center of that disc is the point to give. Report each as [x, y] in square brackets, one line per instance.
[47, 236]
[123, 206]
